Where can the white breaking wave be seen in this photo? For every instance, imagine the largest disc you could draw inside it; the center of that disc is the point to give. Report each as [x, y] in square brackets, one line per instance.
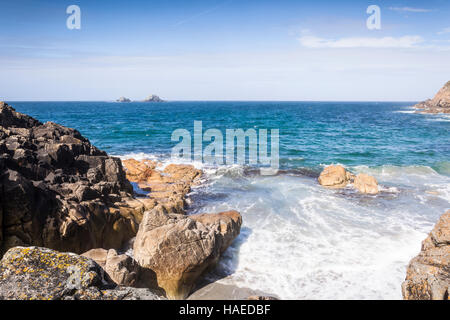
[302, 241]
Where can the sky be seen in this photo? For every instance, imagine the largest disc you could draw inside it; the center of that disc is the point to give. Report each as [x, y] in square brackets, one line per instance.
[224, 50]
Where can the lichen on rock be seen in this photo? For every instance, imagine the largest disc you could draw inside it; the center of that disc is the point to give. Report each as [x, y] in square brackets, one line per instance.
[33, 273]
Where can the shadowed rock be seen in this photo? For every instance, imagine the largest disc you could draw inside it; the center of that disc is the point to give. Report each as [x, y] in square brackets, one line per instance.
[122, 269]
[59, 191]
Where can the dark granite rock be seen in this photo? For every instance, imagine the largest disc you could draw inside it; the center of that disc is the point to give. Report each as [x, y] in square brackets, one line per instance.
[57, 190]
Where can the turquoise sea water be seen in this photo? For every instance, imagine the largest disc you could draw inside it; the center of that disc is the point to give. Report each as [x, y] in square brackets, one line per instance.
[311, 133]
[299, 240]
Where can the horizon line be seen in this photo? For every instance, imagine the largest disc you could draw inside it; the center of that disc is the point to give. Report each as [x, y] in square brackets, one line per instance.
[197, 100]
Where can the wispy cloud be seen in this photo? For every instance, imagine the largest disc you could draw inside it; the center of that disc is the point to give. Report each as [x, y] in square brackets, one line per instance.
[444, 31]
[202, 13]
[355, 42]
[409, 9]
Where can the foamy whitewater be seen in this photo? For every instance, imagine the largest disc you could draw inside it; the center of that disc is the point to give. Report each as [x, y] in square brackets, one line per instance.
[298, 239]
[301, 241]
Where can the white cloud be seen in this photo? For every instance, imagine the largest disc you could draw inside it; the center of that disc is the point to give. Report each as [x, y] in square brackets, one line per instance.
[444, 31]
[355, 42]
[409, 9]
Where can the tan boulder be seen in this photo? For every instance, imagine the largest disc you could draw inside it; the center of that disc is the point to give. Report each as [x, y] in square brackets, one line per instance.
[335, 176]
[428, 274]
[366, 184]
[178, 248]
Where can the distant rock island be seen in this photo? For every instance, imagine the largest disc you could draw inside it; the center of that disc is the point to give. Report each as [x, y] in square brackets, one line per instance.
[123, 99]
[439, 104]
[153, 98]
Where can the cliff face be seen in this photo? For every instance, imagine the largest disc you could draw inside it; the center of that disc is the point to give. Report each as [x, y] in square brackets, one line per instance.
[57, 190]
[439, 104]
[428, 274]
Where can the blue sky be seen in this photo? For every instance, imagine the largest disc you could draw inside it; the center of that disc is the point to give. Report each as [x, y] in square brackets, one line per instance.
[223, 50]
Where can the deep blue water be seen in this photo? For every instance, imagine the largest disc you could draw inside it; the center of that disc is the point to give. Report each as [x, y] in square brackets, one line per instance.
[311, 133]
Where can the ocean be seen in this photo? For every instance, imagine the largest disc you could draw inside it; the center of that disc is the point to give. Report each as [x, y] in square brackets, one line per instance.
[298, 240]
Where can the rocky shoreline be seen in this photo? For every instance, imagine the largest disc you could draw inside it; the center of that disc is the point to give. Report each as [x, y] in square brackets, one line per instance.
[428, 274]
[66, 205]
[439, 104]
[72, 225]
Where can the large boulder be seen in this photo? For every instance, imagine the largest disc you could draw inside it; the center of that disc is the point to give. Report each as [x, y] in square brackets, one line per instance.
[178, 248]
[439, 104]
[59, 191]
[335, 176]
[35, 273]
[428, 274]
[366, 184]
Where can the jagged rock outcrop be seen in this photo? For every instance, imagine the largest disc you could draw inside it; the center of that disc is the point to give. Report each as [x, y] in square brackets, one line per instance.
[428, 274]
[336, 177]
[179, 248]
[35, 273]
[167, 187]
[153, 98]
[439, 104]
[59, 191]
[123, 99]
